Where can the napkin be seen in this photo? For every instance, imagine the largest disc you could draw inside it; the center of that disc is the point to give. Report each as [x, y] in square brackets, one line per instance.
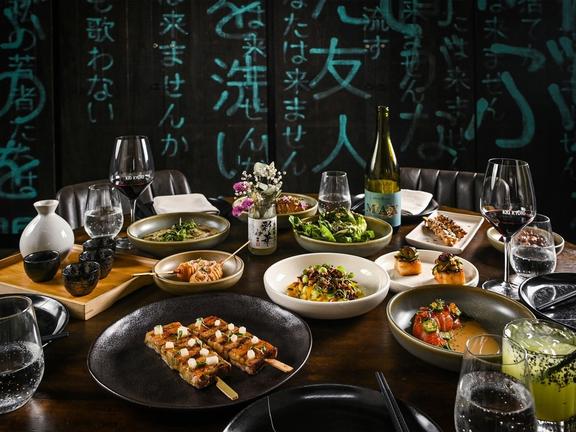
[414, 202]
[194, 202]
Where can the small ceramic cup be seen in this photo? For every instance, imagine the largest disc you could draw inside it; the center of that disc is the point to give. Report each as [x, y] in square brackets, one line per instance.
[42, 266]
[104, 257]
[99, 243]
[81, 278]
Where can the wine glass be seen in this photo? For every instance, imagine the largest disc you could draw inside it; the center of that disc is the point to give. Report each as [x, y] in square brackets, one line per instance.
[21, 355]
[493, 391]
[131, 171]
[508, 203]
[334, 191]
[103, 215]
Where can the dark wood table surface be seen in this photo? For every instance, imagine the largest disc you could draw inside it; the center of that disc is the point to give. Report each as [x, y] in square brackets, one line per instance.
[344, 351]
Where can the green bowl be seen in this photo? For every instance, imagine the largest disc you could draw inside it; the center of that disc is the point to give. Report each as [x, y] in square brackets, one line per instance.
[382, 231]
[232, 269]
[282, 218]
[492, 311]
[143, 227]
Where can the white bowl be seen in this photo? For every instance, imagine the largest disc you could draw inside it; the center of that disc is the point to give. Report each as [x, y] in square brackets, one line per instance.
[371, 277]
[494, 239]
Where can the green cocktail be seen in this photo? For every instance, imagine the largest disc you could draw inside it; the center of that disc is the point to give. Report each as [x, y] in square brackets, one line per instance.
[554, 390]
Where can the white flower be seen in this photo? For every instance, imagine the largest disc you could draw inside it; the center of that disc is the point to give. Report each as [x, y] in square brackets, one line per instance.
[261, 169]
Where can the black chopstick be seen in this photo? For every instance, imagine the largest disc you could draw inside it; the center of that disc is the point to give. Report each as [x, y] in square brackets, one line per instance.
[49, 338]
[395, 413]
[556, 301]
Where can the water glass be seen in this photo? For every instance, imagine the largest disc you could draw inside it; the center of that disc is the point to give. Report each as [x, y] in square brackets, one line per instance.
[103, 215]
[551, 355]
[21, 356]
[532, 249]
[334, 191]
[493, 391]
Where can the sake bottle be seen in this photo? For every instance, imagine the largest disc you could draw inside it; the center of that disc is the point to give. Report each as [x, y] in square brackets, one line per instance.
[382, 178]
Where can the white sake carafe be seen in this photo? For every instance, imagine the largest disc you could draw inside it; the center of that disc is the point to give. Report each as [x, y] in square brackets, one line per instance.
[47, 231]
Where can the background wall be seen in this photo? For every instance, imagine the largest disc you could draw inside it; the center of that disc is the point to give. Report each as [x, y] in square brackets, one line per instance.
[220, 84]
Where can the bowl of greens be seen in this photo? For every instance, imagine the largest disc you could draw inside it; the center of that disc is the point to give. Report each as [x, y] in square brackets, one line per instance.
[342, 231]
[171, 233]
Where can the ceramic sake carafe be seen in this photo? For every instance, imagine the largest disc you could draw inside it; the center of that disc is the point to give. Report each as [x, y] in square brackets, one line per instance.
[47, 231]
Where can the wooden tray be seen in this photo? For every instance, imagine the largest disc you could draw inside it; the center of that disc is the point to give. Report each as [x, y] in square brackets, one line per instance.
[116, 285]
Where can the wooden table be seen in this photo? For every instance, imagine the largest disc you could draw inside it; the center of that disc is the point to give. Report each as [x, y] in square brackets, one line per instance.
[345, 351]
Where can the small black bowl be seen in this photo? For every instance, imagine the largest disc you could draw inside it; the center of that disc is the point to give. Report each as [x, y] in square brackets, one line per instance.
[104, 257]
[81, 278]
[99, 243]
[41, 266]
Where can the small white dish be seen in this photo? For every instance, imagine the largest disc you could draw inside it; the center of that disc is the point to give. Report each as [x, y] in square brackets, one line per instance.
[494, 239]
[400, 283]
[371, 277]
[424, 238]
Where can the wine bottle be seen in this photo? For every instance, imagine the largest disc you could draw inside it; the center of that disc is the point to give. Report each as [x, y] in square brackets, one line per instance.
[382, 178]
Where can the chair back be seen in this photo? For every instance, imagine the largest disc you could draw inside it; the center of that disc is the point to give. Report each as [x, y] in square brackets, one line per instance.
[72, 198]
[460, 189]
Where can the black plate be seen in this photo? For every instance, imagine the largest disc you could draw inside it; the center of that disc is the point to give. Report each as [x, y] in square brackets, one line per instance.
[121, 363]
[329, 407]
[52, 316]
[407, 218]
[540, 289]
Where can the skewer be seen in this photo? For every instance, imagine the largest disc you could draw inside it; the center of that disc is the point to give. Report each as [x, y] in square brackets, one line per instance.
[226, 389]
[235, 252]
[153, 273]
[279, 365]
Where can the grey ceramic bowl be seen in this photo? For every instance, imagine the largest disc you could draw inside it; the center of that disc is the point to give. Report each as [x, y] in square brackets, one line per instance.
[492, 311]
[233, 270]
[282, 218]
[148, 225]
[494, 239]
[382, 229]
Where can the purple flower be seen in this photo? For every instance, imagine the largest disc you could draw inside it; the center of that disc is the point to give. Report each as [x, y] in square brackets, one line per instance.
[241, 186]
[242, 206]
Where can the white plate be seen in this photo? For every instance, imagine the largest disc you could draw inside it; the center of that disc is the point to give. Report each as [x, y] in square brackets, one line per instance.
[424, 238]
[403, 283]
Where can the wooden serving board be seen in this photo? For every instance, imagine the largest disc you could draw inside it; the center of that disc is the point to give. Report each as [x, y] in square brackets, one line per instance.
[116, 285]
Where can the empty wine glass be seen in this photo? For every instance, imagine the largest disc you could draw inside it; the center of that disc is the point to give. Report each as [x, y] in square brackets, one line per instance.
[532, 249]
[103, 215]
[131, 171]
[508, 203]
[334, 191]
[493, 392]
[21, 355]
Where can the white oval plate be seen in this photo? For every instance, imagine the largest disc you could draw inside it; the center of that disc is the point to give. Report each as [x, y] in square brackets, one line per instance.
[403, 283]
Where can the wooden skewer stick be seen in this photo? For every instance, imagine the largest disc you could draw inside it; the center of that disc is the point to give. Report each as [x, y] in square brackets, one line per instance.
[226, 389]
[236, 251]
[153, 273]
[279, 365]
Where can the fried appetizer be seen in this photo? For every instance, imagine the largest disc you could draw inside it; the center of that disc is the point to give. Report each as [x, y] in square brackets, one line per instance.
[199, 270]
[190, 357]
[235, 344]
[445, 229]
[449, 269]
[407, 261]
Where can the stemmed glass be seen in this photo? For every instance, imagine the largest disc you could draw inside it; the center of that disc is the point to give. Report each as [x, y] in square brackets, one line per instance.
[493, 392]
[131, 171]
[508, 203]
[334, 191]
[103, 215]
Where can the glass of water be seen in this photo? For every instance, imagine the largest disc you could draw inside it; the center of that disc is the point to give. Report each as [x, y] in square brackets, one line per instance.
[532, 249]
[103, 215]
[21, 356]
[334, 191]
[494, 388]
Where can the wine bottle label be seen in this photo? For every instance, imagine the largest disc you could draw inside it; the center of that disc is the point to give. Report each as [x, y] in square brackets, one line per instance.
[383, 206]
[262, 233]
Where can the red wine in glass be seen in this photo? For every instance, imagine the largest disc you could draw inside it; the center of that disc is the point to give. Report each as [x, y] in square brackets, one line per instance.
[131, 171]
[509, 204]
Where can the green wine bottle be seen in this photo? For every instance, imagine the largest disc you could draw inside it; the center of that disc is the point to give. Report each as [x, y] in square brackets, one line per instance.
[382, 178]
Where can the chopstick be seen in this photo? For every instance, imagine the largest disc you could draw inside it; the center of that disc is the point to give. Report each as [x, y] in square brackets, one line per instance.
[557, 301]
[395, 413]
[49, 338]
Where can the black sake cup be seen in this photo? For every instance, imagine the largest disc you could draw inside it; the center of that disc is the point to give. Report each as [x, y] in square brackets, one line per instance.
[104, 257]
[42, 266]
[81, 278]
[99, 243]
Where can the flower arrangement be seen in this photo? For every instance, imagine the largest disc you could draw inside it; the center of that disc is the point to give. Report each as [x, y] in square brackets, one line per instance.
[258, 190]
